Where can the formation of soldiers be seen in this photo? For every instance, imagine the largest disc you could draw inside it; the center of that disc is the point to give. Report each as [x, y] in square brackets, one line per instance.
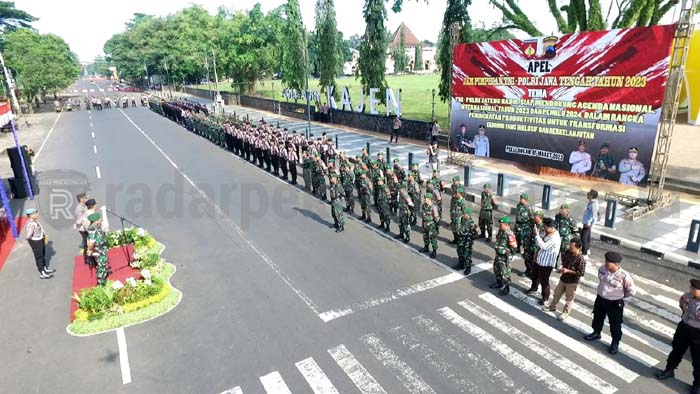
[388, 189]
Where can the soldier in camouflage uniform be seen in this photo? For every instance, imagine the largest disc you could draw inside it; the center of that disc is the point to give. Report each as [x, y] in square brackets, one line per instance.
[365, 195]
[320, 175]
[604, 166]
[467, 232]
[405, 210]
[399, 171]
[337, 195]
[437, 202]
[523, 220]
[455, 184]
[506, 244]
[566, 226]
[415, 170]
[437, 186]
[383, 194]
[393, 185]
[347, 179]
[313, 173]
[530, 247]
[431, 219]
[457, 206]
[382, 164]
[356, 170]
[413, 188]
[488, 204]
[376, 174]
[306, 165]
[97, 246]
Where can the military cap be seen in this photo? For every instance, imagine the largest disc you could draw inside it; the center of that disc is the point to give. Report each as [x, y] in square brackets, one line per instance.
[460, 190]
[487, 186]
[524, 196]
[389, 170]
[564, 206]
[539, 213]
[380, 154]
[634, 149]
[456, 178]
[362, 172]
[467, 210]
[613, 257]
[605, 145]
[396, 160]
[334, 175]
[402, 185]
[30, 211]
[582, 142]
[428, 195]
[436, 171]
[94, 217]
[414, 165]
[357, 156]
[505, 219]
[695, 283]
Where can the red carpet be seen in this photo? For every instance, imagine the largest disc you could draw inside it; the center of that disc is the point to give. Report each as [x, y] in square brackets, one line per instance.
[7, 241]
[85, 276]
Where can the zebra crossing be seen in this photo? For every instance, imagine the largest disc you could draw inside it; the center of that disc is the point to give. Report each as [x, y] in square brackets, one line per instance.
[491, 344]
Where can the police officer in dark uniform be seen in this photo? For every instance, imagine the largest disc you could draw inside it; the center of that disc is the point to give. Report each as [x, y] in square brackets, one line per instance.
[687, 336]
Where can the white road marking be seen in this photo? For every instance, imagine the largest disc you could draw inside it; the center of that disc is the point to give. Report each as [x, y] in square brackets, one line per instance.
[447, 371]
[223, 217]
[547, 353]
[355, 371]
[123, 356]
[90, 116]
[93, 134]
[94, 149]
[653, 309]
[510, 355]
[405, 374]
[583, 328]
[91, 124]
[41, 148]
[274, 384]
[634, 316]
[647, 282]
[235, 390]
[97, 170]
[474, 361]
[319, 382]
[673, 303]
[393, 295]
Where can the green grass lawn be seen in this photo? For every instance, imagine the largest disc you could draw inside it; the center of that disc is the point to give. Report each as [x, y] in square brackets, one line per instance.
[416, 96]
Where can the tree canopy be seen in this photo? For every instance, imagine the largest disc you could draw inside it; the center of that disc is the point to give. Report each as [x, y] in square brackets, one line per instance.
[328, 56]
[12, 18]
[371, 65]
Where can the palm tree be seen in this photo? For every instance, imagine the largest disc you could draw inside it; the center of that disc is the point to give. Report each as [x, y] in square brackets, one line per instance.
[12, 18]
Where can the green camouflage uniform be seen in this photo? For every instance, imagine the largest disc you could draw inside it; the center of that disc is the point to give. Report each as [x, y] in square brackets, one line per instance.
[97, 235]
[466, 234]
[347, 179]
[415, 193]
[530, 250]
[383, 207]
[404, 205]
[524, 217]
[313, 165]
[486, 214]
[566, 227]
[376, 174]
[365, 198]
[306, 166]
[608, 161]
[319, 174]
[457, 208]
[504, 249]
[394, 189]
[337, 194]
[437, 187]
[430, 221]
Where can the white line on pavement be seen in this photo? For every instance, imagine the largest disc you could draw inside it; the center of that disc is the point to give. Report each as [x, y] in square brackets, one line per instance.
[362, 379]
[97, 170]
[505, 351]
[405, 374]
[653, 309]
[221, 215]
[123, 356]
[41, 148]
[235, 390]
[93, 134]
[91, 124]
[393, 295]
[475, 361]
[537, 347]
[438, 363]
[319, 382]
[583, 328]
[94, 148]
[274, 384]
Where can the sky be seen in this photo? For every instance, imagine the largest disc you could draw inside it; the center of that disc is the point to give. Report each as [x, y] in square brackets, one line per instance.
[86, 25]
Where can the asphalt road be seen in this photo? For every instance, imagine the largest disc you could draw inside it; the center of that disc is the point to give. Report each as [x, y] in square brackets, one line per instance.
[272, 295]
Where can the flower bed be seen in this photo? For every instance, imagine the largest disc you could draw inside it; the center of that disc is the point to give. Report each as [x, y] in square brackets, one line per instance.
[141, 298]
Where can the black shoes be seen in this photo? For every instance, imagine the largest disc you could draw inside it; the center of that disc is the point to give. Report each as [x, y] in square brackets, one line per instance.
[531, 290]
[496, 285]
[433, 254]
[592, 336]
[44, 275]
[399, 236]
[468, 270]
[425, 250]
[505, 290]
[613, 349]
[663, 375]
[407, 239]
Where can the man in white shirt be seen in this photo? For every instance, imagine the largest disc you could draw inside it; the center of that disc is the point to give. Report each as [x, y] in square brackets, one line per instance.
[580, 160]
[548, 249]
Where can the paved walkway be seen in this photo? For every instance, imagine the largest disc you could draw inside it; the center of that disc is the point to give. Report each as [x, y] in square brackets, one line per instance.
[664, 233]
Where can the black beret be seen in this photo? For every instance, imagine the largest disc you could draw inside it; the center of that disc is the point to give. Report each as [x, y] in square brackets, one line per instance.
[613, 257]
[695, 283]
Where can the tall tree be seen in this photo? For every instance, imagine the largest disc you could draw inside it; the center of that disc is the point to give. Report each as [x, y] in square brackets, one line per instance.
[11, 17]
[295, 54]
[456, 12]
[418, 57]
[399, 53]
[371, 65]
[578, 15]
[327, 39]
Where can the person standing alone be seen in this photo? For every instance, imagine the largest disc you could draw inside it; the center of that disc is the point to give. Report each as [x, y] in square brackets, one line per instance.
[395, 129]
[36, 237]
[590, 217]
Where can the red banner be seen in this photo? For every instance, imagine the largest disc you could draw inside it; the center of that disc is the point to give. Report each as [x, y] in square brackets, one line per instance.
[538, 98]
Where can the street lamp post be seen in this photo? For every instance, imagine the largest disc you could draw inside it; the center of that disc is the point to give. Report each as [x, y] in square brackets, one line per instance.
[216, 81]
[167, 74]
[306, 72]
[433, 115]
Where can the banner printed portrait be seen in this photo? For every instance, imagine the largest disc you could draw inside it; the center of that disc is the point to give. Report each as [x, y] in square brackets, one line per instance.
[577, 102]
